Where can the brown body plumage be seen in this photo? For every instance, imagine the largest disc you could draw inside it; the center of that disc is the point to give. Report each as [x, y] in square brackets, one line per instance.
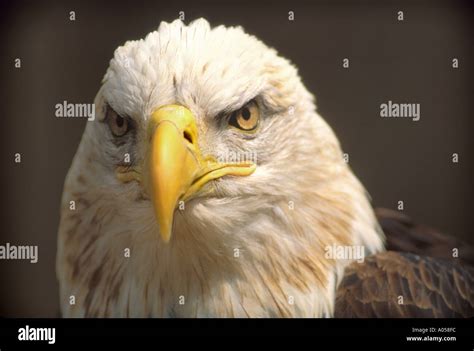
[426, 274]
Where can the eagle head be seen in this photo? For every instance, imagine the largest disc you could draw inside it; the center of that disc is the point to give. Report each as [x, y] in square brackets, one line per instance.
[207, 185]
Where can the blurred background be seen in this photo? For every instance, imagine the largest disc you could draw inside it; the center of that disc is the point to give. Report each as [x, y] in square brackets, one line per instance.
[396, 159]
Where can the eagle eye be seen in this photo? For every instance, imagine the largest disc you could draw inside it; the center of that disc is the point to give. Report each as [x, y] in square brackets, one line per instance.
[246, 118]
[119, 126]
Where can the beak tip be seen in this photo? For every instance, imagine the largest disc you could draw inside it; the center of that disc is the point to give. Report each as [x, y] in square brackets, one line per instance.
[165, 234]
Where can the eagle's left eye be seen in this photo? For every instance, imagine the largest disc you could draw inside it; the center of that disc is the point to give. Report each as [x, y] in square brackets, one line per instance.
[246, 118]
[118, 125]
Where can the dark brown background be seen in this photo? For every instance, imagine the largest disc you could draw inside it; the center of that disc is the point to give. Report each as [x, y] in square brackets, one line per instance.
[396, 159]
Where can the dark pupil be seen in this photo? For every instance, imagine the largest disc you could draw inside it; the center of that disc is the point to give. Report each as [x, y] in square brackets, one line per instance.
[120, 122]
[246, 114]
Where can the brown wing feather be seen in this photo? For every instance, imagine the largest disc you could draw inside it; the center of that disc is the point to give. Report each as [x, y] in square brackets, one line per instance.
[404, 235]
[393, 284]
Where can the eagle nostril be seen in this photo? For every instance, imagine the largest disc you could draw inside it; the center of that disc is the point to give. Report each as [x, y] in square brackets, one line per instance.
[188, 136]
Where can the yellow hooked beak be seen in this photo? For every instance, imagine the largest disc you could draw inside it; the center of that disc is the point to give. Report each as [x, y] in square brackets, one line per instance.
[176, 169]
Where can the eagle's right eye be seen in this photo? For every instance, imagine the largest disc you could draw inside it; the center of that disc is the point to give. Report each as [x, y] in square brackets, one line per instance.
[119, 126]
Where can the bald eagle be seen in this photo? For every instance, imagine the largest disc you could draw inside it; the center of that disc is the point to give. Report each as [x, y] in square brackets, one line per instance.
[209, 186]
